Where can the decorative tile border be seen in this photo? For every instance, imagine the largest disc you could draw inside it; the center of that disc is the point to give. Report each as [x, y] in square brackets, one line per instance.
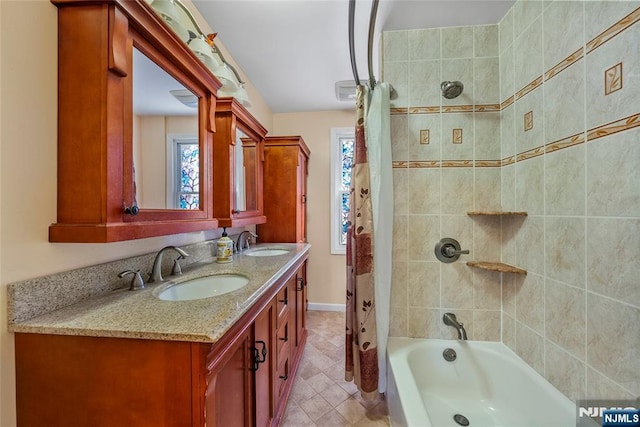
[529, 88]
[457, 163]
[436, 109]
[529, 154]
[614, 127]
[613, 31]
[565, 63]
[487, 108]
[424, 110]
[457, 109]
[435, 164]
[567, 142]
[508, 161]
[488, 163]
[507, 102]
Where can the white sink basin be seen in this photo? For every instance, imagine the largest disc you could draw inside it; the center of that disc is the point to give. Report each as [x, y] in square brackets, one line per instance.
[204, 287]
[267, 252]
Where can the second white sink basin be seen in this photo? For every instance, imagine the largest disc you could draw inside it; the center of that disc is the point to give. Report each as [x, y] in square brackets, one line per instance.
[204, 287]
[267, 252]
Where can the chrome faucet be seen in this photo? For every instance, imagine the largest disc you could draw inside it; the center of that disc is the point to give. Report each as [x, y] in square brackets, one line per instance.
[449, 319]
[244, 239]
[156, 271]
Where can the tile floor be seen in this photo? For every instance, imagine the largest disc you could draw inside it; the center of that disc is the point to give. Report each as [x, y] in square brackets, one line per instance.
[320, 395]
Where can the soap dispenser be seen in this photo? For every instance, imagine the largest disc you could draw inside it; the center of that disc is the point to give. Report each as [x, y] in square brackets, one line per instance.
[224, 248]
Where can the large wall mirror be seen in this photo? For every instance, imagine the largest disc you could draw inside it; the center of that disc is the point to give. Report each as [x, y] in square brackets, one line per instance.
[166, 149]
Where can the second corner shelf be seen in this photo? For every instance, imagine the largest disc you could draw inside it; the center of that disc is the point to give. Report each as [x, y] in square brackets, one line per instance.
[496, 266]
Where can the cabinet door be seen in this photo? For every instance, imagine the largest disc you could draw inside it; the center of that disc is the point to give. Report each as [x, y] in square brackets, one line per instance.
[301, 219]
[263, 338]
[301, 305]
[229, 398]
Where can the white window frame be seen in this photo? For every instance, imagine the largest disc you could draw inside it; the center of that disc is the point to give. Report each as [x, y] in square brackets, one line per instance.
[173, 167]
[336, 192]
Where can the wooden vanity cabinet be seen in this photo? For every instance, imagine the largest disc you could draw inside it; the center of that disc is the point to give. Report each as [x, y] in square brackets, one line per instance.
[285, 190]
[64, 380]
[96, 174]
[237, 185]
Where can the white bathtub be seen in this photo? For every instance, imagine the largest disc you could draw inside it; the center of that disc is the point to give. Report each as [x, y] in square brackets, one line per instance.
[487, 383]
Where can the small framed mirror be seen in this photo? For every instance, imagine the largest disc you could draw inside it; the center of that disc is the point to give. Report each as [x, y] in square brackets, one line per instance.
[238, 156]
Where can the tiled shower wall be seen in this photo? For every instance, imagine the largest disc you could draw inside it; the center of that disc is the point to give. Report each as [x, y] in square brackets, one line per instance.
[446, 159]
[549, 124]
[570, 97]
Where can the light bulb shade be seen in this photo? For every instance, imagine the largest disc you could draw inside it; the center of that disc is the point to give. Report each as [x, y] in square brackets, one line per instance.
[203, 51]
[226, 77]
[172, 15]
[239, 94]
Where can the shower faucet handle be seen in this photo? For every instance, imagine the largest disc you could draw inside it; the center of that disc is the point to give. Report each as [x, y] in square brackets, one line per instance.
[449, 250]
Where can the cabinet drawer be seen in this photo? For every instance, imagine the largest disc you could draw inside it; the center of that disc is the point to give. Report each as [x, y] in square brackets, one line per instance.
[282, 303]
[282, 377]
[283, 340]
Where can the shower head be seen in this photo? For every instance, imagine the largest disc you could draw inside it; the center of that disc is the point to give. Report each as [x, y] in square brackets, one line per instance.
[451, 90]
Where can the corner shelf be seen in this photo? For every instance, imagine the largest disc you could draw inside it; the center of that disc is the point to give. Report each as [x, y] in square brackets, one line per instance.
[496, 266]
[496, 213]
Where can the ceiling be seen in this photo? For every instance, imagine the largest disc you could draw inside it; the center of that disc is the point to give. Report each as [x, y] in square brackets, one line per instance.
[294, 51]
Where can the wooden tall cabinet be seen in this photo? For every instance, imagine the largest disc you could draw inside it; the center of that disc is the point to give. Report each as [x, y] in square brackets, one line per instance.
[286, 161]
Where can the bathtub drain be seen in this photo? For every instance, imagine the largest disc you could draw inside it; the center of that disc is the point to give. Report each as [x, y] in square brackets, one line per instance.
[461, 419]
[449, 354]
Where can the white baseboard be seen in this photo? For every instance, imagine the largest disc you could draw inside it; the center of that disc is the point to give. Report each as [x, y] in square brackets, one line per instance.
[327, 307]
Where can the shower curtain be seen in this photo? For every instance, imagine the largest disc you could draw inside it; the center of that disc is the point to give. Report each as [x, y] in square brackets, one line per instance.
[369, 244]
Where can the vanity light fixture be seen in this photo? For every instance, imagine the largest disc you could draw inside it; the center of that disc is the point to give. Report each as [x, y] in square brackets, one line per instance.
[203, 47]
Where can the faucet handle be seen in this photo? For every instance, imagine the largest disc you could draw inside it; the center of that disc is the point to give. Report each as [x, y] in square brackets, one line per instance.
[136, 281]
[177, 270]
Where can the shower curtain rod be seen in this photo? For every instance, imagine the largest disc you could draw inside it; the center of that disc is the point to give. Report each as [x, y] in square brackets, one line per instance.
[372, 25]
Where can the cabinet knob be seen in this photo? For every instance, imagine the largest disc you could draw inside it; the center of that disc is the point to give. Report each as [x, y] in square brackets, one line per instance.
[284, 377]
[132, 210]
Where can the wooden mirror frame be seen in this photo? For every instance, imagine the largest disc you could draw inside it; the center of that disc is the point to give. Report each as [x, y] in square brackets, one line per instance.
[231, 115]
[95, 120]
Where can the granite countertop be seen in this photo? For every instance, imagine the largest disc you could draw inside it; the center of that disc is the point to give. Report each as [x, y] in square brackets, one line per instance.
[140, 314]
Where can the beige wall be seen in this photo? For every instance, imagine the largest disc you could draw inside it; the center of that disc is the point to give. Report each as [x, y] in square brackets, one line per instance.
[28, 171]
[326, 272]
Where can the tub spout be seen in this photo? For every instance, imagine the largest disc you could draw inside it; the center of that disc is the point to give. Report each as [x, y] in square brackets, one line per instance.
[449, 319]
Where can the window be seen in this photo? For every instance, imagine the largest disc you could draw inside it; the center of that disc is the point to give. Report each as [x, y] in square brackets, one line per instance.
[183, 164]
[342, 150]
